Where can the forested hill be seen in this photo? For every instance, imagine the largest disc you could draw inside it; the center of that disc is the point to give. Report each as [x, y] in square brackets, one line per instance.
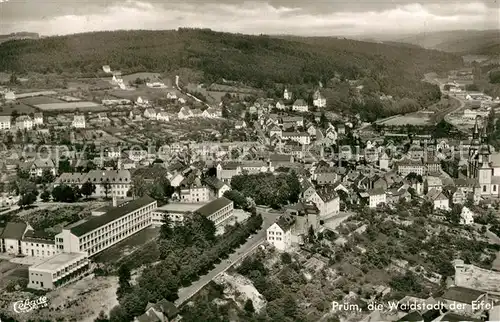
[256, 60]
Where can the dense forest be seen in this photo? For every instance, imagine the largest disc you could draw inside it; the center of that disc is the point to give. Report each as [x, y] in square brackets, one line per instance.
[259, 61]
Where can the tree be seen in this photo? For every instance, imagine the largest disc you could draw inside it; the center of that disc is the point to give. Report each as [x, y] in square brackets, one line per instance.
[118, 314]
[286, 258]
[64, 193]
[249, 306]
[166, 227]
[102, 317]
[64, 166]
[47, 176]
[27, 191]
[107, 188]
[45, 196]
[239, 200]
[87, 189]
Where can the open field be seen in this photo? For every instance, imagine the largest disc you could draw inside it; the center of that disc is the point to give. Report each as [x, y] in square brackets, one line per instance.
[11, 272]
[144, 92]
[151, 76]
[40, 100]
[124, 248]
[82, 106]
[411, 119]
[19, 107]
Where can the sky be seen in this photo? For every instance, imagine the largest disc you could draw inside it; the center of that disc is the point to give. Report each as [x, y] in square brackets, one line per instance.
[311, 18]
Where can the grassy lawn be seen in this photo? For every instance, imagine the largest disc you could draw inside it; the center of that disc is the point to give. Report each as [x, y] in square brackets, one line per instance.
[127, 246]
[19, 107]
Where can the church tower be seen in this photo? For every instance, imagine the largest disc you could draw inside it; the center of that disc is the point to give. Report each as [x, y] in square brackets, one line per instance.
[485, 170]
[474, 146]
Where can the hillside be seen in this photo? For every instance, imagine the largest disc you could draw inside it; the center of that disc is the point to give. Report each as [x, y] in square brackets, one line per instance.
[486, 42]
[19, 35]
[260, 61]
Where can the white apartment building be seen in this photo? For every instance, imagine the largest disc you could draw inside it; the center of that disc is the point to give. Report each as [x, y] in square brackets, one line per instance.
[195, 194]
[220, 211]
[300, 137]
[78, 122]
[279, 234]
[24, 122]
[466, 217]
[326, 200]
[113, 182]
[101, 232]
[406, 167]
[38, 119]
[300, 106]
[58, 270]
[376, 197]
[38, 244]
[5, 122]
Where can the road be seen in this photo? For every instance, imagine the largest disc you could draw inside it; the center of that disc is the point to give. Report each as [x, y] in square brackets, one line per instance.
[187, 94]
[187, 292]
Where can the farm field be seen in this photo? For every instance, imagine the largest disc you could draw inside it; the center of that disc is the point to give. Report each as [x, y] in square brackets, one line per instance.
[82, 106]
[11, 272]
[19, 107]
[40, 100]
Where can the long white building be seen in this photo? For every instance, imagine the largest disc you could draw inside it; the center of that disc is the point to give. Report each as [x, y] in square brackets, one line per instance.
[101, 232]
[113, 182]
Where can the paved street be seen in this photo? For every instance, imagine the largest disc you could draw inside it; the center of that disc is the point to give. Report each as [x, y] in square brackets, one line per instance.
[251, 244]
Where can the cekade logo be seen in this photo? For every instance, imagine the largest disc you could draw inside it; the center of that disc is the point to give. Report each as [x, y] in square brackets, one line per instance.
[30, 305]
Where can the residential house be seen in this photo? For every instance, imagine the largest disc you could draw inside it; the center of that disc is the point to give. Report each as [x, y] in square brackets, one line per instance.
[376, 197]
[194, 194]
[38, 166]
[275, 130]
[433, 183]
[300, 106]
[212, 112]
[11, 237]
[293, 120]
[438, 199]
[185, 113]
[225, 171]
[171, 96]
[78, 121]
[279, 234]
[466, 216]
[216, 187]
[240, 125]
[135, 115]
[5, 122]
[383, 162]
[150, 113]
[142, 102]
[311, 129]
[10, 96]
[319, 100]
[163, 117]
[406, 166]
[327, 201]
[38, 244]
[24, 122]
[38, 119]
[395, 195]
[459, 197]
[299, 137]
[162, 311]
[280, 105]
[326, 175]
[306, 189]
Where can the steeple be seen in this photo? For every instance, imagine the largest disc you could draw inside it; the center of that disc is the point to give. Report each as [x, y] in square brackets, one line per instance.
[475, 133]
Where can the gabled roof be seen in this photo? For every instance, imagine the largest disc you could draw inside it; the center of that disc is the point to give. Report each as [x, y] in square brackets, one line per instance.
[327, 194]
[214, 183]
[14, 230]
[285, 222]
[300, 102]
[462, 294]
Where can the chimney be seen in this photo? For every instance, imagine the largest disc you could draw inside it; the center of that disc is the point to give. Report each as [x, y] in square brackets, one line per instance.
[114, 202]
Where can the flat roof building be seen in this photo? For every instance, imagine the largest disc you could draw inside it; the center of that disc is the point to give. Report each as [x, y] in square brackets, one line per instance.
[58, 270]
[101, 232]
[220, 211]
